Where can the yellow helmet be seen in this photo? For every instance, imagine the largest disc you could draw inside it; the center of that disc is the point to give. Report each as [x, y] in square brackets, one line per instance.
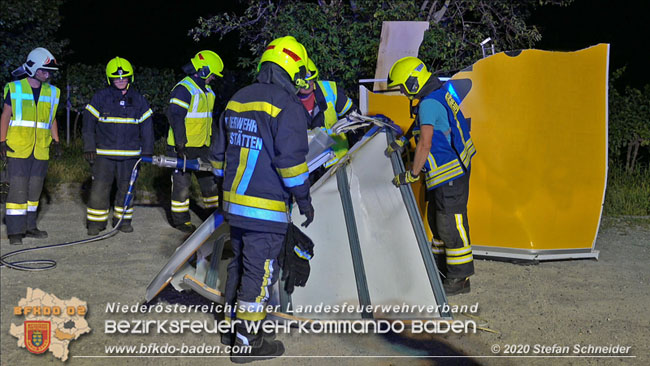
[312, 71]
[118, 68]
[291, 56]
[409, 72]
[207, 63]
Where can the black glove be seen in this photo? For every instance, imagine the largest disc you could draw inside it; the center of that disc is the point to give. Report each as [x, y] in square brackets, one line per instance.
[4, 148]
[55, 149]
[219, 183]
[90, 157]
[298, 250]
[308, 212]
[180, 152]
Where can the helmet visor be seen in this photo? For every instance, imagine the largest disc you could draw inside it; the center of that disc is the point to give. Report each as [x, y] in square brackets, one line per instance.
[311, 76]
[50, 64]
[119, 73]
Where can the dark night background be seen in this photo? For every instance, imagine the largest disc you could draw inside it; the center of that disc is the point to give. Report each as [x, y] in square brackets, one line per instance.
[155, 33]
[625, 25]
[147, 33]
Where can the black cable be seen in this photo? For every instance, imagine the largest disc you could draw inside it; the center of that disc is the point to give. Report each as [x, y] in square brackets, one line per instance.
[46, 264]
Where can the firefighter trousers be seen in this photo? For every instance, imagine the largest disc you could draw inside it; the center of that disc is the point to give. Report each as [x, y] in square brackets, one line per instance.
[26, 177]
[447, 219]
[181, 183]
[105, 170]
[252, 272]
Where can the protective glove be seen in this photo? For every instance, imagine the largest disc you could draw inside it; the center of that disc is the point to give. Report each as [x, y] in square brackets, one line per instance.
[90, 157]
[298, 250]
[397, 145]
[219, 183]
[180, 152]
[308, 212]
[55, 149]
[4, 148]
[405, 178]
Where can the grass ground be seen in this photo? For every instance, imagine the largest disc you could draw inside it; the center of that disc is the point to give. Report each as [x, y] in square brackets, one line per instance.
[628, 193]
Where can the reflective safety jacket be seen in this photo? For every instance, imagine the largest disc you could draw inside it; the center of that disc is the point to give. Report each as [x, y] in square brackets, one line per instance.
[198, 120]
[448, 161]
[333, 104]
[30, 127]
[260, 150]
[118, 126]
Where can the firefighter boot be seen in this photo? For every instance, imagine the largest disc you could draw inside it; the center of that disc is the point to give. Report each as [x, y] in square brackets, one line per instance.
[125, 226]
[95, 228]
[186, 227]
[35, 233]
[16, 239]
[455, 286]
[254, 347]
[227, 337]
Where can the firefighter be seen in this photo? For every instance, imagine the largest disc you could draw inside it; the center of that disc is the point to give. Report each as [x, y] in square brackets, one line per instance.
[117, 131]
[444, 151]
[190, 115]
[260, 149]
[327, 103]
[28, 136]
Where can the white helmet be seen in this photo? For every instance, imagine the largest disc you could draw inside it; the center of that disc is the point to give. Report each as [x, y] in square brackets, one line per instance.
[39, 58]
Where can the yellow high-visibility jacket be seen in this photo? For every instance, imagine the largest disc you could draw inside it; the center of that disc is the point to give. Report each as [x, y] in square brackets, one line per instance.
[30, 127]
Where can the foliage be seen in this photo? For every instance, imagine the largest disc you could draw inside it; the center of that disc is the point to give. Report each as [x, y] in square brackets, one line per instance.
[69, 168]
[84, 81]
[342, 37]
[628, 191]
[629, 130]
[25, 25]
[154, 84]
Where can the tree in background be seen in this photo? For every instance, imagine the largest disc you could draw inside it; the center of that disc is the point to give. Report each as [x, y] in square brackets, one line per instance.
[342, 37]
[629, 130]
[25, 25]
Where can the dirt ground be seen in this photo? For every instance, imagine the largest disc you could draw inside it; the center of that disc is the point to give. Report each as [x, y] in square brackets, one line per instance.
[562, 303]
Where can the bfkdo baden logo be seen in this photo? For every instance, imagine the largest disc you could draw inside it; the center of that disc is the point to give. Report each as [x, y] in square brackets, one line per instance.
[50, 324]
[37, 335]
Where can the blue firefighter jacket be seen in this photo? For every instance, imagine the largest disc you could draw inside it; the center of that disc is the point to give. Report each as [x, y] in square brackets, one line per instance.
[260, 149]
[448, 161]
[118, 126]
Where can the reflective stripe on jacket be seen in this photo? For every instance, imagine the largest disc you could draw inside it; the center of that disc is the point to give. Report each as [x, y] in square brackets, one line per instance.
[329, 90]
[30, 127]
[198, 120]
[118, 125]
[446, 161]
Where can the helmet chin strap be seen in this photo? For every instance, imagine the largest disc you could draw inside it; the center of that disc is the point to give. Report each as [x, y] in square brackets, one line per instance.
[204, 72]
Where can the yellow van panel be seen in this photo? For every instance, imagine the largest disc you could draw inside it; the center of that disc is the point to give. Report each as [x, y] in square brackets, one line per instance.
[539, 124]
